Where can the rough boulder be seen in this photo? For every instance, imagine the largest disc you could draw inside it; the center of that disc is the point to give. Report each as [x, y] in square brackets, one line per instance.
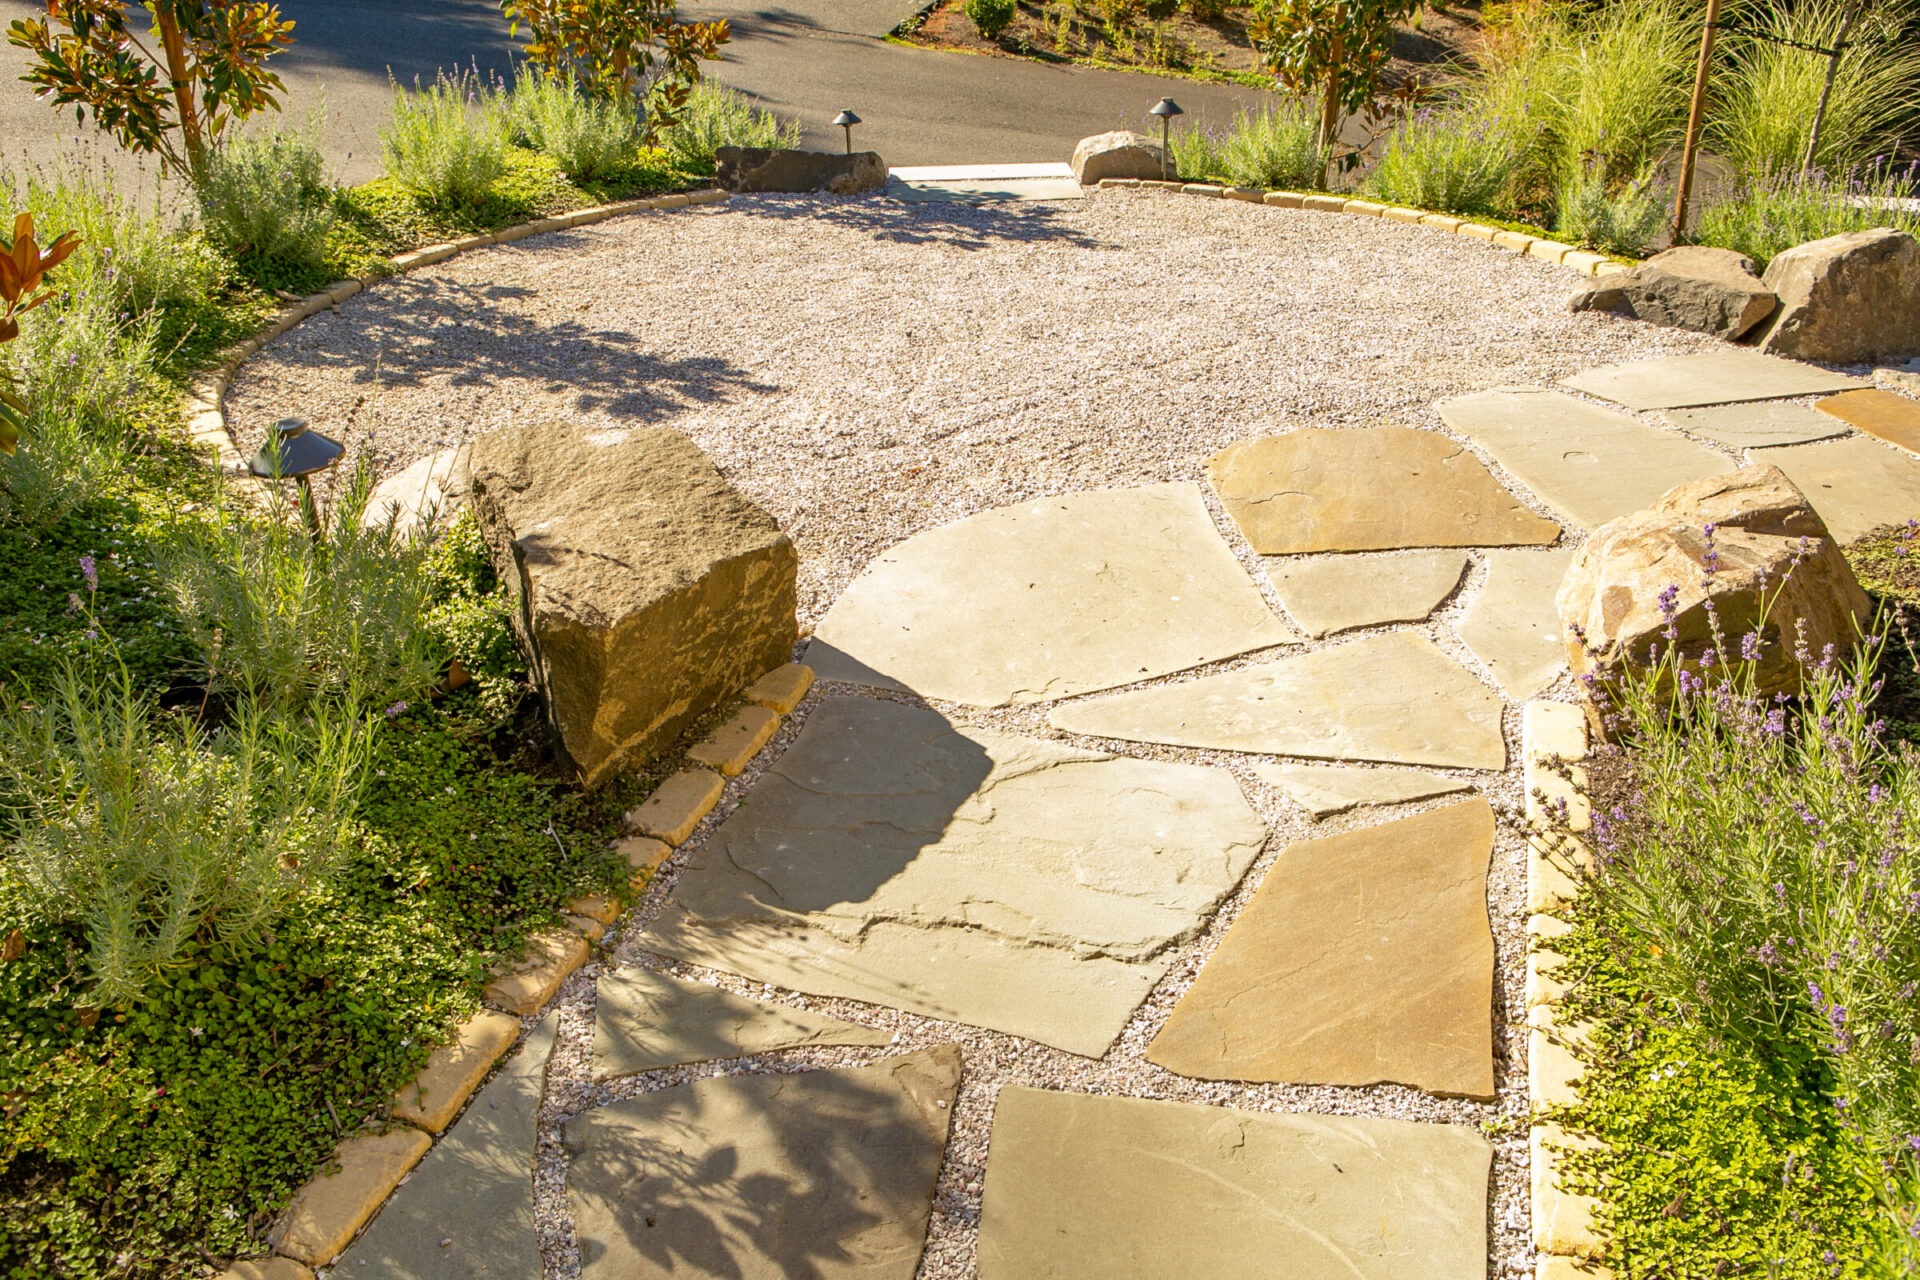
[1847, 299]
[1118, 155]
[1693, 287]
[770, 169]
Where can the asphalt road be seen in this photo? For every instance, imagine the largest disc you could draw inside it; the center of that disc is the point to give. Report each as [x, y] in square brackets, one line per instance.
[805, 60]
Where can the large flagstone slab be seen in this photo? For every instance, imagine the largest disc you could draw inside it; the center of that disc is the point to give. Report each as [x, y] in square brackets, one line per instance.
[1856, 484]
[1370, 489]
[1047, 599]
[466, 1211]
[823, 1174]
[1081, 1186]
[1324, 790]
[1727, 376]
[1392, 698]
[960, 873]
[1340, 593]
[646, 1021]
[1589, 464]
[1886, 415]
[1758, 426]
[1512, 625]
[1363, 958]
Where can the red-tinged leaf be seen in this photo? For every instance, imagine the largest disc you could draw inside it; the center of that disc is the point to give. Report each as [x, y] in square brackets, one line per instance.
[22, 227]
[16, 944]
[59, 251]
[9, 330]
[9, 282]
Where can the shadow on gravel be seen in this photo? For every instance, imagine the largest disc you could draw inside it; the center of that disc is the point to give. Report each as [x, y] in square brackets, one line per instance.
[420, 328]
[960, 226]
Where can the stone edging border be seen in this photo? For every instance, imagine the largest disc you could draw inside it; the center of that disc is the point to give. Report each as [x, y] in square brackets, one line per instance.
[1584, 261]
[206, 418]
[1554, 739]
[327, 1213]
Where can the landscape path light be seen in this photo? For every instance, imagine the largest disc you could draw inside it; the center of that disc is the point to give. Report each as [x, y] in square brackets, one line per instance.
[846, 120]
[292, 452]
[1166, 109]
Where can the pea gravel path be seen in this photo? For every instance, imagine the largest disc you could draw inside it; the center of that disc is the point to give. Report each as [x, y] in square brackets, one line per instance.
[866, 371]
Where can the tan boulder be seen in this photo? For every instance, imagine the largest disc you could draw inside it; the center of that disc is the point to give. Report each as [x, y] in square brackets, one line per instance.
[1119, 154]
[649, 589]
[1768, 565]
[1691, 287]
[1847, 299]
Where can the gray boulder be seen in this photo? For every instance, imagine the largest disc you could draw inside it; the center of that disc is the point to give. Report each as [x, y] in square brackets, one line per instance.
[1847, 299]
[648, 589]
[426, 495]
[771, 169]
[1119, 154]
[1707, 290]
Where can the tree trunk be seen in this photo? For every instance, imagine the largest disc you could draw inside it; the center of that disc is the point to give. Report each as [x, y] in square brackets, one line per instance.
[1330, 99]
[179, 75]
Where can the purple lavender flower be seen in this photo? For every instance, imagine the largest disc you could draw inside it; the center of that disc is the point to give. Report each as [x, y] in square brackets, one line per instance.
[396, 709]
[90, 571]
[1750, 647]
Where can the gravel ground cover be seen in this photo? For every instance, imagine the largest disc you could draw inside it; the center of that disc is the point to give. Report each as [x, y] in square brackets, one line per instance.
[867, 370]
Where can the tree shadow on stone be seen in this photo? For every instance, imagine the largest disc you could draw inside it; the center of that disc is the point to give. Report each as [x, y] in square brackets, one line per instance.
[955, 225]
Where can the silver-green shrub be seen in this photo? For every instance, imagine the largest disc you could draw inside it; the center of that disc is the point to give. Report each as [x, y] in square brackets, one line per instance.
[1446, 161]
[716, 117]
[1622, 220]
[265, 199]
[1275, 146]
[586, 137]
[1769, 217]
[443, 144]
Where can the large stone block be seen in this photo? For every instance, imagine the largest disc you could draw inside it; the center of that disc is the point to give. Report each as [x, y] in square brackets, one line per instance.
[778, 169]
[1847, 299]
[648, 588]
[1749, 543]
[1692, 287]
[1119, 154]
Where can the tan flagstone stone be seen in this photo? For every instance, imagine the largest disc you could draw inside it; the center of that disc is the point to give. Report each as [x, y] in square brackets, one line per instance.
[1392, 698]
[1047, 599]
[1728, 375]
[1340, 593]
[1363, 958]
[677, 805]
[826, 1175]
[1758, 426]
[525, 982]
[1081, 1187]
[1886, 415]
[466, 1213]
[1589, 464]
[1327, 789]
[266, 1269]
[325, 1213]
[1512, 624]
[731, 746]
[781, 688]
[1856, 484]
[432, 1098]
[644, 854]
[644, 1021]
[959, 873]
[1367, 489]
[1563, 1223]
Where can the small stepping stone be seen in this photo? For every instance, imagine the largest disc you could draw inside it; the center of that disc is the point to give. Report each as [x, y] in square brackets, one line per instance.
[1885, 415]
[1048, 599]
[1391, 698]
[1758, 426]
[1371, 489]
[1728, 376]
[1082, 1186]
[1857, 485]
[1512, 625]
[765, 1177]
[1324, 790]
[1001, 881]
[1339, 594]
[1589, 464]
[1363, 958]
[466, 1213]
[646, 1021]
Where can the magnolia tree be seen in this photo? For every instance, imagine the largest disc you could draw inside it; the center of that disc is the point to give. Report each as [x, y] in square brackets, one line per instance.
[1334, 49]
[24, 268]
[202, 66]
[619, 50]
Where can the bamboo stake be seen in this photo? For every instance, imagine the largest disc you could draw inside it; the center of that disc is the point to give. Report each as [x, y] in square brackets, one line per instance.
[1696, 118]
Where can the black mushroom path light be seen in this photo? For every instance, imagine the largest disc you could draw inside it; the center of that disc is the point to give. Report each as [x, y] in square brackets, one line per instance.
[1166, 109]
[846, 120]
[292, 452]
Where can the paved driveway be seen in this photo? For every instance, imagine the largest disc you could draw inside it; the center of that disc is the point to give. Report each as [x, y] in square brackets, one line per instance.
[805, 59]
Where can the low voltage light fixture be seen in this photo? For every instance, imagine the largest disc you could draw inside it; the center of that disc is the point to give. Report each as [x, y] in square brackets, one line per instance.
[1166, 109]
[292, 452]
[846, 120]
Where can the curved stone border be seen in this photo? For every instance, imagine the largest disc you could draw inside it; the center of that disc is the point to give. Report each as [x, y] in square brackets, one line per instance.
[204, 412]
[1585, 261]
[1554, 740]
[327, 1213]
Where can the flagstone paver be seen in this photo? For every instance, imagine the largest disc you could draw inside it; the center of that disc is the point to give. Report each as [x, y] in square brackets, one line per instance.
[1340, 593]
[1512, 625]
[1393, 698]
[1324, 790]
[823, 1174]
[466, 1213]
[1370, 489]
[1758, 426]
[1080, 1186]
[961, 873]
[1727, 376]
[1856, 484]
[1886, 415]
[1363, 957]
[1589, 464]
[644, 1021]
[1047, 599]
